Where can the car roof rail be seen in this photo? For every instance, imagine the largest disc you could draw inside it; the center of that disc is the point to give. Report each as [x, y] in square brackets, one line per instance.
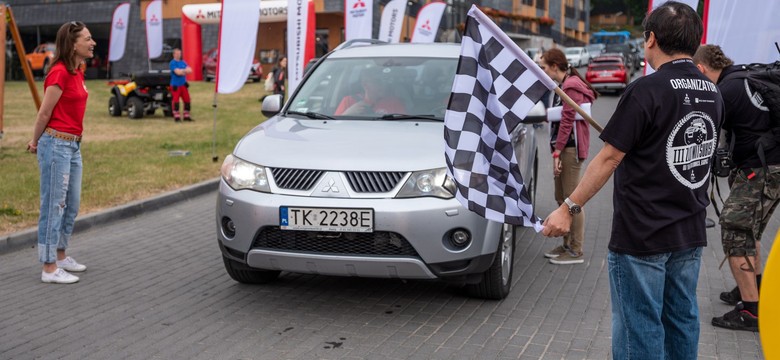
[359, 42]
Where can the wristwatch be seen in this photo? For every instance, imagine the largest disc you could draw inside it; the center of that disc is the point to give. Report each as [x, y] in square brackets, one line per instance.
[574, 209]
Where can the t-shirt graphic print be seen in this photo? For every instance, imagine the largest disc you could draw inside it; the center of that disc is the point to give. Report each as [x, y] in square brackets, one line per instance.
[689, 149]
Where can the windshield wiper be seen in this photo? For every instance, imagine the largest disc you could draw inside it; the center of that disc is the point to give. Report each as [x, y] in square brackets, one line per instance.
[310, 115]
[410, 117]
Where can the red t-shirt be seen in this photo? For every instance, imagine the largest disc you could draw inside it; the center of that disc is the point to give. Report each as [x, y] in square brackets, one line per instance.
[68, 113]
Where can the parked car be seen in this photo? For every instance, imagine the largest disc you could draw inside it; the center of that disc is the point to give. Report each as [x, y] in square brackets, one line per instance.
[595, 49]
[314, 191]
[608, 72]
[577, 56]
[40, 58]
[210, 67]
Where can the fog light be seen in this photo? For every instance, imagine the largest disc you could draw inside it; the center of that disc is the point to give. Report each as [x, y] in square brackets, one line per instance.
[460, 238]
[228, 227]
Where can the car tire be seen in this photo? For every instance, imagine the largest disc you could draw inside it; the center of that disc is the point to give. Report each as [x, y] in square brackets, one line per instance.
[135, 107]
[241, 273]
[113, 106]
[496, 282]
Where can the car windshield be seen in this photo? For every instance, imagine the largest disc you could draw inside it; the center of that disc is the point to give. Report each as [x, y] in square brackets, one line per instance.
[373, 88]
[573, 51]
[50, 47]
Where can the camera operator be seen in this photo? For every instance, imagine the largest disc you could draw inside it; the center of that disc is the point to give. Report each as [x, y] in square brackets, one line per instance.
[755, 185]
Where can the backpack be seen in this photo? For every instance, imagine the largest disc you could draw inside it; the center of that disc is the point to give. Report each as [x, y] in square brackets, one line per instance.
[764, 80]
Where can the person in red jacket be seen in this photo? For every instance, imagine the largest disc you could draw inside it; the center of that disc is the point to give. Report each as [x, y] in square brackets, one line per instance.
[570, 140]
[57, 142]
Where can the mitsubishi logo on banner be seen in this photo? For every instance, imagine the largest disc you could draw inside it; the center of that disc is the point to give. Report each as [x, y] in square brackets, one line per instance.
[154, 29]
[358, 22]
[428, 20]
[118, 36]
[200, 15]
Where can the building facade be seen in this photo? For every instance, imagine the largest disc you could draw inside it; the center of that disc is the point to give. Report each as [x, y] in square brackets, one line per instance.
[529, 22]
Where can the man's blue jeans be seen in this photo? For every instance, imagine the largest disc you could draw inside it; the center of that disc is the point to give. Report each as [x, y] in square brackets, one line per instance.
[654, 305]
[59, 162]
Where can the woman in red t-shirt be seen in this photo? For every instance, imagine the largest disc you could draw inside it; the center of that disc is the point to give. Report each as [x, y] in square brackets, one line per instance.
[57, 142]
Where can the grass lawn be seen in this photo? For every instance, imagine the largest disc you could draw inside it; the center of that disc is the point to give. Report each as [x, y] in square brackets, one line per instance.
[124, 159]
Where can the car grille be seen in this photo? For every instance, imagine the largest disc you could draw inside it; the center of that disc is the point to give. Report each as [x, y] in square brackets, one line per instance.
[373, 182]
[296, 179]
[359, 181]
[382, 243]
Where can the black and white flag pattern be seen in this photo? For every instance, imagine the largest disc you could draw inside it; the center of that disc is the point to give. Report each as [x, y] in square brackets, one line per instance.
[495, 86]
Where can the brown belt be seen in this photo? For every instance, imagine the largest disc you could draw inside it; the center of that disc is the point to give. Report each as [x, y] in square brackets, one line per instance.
[62, 135]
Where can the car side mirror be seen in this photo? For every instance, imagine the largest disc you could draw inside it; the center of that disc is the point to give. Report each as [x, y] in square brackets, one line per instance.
[537, 115]
[272, 104]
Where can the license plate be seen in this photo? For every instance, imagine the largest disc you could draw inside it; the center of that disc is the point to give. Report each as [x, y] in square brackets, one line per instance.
[158, 96]
[326, 219]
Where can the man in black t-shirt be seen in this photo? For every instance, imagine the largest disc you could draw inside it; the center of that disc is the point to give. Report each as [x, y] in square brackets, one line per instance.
[659, 144]
[755, 190]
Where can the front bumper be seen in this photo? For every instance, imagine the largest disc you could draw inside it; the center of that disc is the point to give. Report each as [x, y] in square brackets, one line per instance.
[423, 223]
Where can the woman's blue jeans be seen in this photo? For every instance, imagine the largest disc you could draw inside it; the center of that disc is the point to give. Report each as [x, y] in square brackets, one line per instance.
[59, 162]
[654, 310]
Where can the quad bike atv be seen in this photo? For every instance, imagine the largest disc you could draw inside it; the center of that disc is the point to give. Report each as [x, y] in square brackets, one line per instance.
[142, 95]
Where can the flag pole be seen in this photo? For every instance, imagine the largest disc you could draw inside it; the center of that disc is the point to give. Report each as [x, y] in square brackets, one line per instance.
[214, 156]
[578, 109]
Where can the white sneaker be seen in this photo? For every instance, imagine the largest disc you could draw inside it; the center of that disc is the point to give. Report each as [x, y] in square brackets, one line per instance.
[59, 277]
[70, 265]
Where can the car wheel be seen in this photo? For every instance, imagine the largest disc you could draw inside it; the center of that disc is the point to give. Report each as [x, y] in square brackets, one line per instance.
[241, 273]
[135, 107]
[113, 106]
[496, 282]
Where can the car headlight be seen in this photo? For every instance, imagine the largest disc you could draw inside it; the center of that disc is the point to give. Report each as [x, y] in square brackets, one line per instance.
[434, 182]
[240, 174]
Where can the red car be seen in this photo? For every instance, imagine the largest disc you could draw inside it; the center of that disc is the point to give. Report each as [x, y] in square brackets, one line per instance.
[210, 67]
[608, 73]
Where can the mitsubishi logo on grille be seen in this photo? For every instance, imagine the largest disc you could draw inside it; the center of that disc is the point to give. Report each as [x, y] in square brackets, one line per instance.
[331, 186]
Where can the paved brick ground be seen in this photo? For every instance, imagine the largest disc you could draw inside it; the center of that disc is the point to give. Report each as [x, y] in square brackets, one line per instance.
[156, 289]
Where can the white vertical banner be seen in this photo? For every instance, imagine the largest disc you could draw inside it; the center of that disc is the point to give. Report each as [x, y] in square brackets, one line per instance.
[746, 30]
[297, 18]
[154, 29]
[237, 41]
[392, 21]
[652, 5]
[358, 19]
[427, 24]
[119, 22]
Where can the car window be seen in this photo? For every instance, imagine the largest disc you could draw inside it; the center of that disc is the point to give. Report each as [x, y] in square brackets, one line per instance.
[572, 51]
[398, 85]
[605, 68]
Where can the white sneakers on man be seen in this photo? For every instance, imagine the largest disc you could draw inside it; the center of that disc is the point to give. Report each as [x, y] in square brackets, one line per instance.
[59, 277]
[68, 264]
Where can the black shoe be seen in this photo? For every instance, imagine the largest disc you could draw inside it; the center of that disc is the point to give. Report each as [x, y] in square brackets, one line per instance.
[737, 319]
[731, 297]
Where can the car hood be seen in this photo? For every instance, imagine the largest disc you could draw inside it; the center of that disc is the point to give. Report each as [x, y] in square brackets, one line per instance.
[374, 145]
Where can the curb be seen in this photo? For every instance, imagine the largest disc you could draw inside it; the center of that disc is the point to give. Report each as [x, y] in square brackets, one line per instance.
[29, 237]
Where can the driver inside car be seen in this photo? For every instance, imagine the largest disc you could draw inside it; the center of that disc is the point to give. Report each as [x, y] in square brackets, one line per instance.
[375, 99]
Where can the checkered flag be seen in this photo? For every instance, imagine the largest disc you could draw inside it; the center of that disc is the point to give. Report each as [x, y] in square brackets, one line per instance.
[495, 86]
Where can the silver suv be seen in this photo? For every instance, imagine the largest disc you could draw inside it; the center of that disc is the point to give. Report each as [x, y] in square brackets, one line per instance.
[348, 178]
